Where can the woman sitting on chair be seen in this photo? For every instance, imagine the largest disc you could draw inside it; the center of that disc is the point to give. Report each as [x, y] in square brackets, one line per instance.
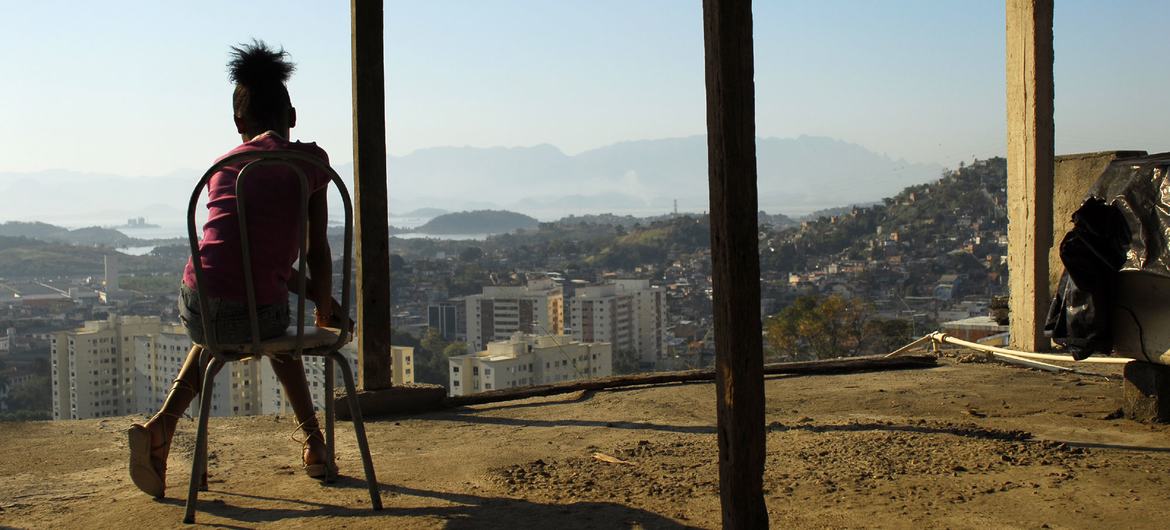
[263, 115]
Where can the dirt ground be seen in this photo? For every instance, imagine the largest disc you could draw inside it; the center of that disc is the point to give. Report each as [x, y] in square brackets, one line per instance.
[967, 445]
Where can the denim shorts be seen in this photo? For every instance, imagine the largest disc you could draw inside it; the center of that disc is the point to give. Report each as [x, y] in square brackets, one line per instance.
[229, 319]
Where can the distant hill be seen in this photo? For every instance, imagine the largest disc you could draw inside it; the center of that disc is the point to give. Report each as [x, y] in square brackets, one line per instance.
[22, 257]
[644, 177]
[477, 222]
[610, 219]
[776, 220]
[929, 221]
[25, 257]
[830, 212]
[424, 212]
[653, 243]
[91, 236]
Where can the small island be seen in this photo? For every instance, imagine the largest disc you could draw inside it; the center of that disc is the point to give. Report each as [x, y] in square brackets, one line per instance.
[476, 222]
[427, 212]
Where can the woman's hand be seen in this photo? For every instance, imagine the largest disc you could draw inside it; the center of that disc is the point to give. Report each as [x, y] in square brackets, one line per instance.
[332, 316]
[322, 316]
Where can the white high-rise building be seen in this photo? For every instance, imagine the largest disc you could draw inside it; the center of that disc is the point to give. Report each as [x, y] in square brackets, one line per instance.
[127, 365]
[158, 358]
[525, 360]
[629, 314]
[272, 397]
[500, 311]
[92, 368]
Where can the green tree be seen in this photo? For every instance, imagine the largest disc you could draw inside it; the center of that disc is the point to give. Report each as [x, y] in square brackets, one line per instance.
[430, 360]
[433, 341]
[626, 362]
[455, 348]
[886, 335]
[397, 262]
[34, 395]
[818, 328]
[470, 254]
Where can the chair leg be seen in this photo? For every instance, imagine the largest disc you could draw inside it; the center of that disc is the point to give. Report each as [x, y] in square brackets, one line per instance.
[199, 462]
[330, 419]
[205, 365]
[359, 429]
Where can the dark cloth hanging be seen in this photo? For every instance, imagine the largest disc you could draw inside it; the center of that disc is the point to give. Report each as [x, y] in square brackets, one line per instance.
[1093, 253]
[1123, 225]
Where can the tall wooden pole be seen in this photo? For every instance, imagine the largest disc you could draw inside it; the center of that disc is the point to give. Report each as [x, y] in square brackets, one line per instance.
[1030, 168]
[735, 257]
[369, 175]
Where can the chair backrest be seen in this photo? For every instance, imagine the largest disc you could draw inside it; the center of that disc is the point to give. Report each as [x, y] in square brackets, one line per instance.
[252, 161]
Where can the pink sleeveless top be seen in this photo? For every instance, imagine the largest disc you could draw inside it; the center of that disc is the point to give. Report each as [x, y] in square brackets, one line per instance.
[273, 201]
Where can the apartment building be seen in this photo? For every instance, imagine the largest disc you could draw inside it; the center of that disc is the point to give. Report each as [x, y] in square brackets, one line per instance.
[525, 360]
[401, 365]
[450, 318]
[500, 311]
[273, 400]
[92, 368]
[629, 314]
[127, 365]
[158, 358]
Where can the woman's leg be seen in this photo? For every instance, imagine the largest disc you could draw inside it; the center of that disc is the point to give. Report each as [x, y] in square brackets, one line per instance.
[291, 373]
[162, 425]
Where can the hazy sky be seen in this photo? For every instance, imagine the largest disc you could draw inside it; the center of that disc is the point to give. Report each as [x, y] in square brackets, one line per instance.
[140, 88]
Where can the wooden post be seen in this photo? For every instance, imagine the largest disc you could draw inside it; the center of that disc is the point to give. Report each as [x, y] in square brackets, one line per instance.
[735, 258]
[1030, 168]
[369, 190]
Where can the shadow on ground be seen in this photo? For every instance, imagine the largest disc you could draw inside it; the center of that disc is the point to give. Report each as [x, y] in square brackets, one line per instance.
[470, 416]
[457, 510]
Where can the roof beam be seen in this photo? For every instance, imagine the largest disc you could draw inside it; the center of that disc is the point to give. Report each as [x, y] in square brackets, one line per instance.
[369, 176]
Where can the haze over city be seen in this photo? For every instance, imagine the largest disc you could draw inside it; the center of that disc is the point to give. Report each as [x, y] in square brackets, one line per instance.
[141, 91]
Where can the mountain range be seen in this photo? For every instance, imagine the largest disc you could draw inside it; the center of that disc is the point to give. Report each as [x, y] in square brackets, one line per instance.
[796, 176]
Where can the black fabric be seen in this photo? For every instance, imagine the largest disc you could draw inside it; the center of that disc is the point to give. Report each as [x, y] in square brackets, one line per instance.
[1092, 253]
[1123, 225]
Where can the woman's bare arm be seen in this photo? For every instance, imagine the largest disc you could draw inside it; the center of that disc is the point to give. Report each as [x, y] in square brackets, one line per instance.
[319, 258]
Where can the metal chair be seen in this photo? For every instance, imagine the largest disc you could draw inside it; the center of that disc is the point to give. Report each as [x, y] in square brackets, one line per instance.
[299, 339]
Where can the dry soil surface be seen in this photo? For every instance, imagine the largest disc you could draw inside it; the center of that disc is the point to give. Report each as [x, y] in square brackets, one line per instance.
[960, 446]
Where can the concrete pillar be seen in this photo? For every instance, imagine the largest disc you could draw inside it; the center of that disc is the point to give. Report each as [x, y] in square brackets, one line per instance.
[1147, 392]
[1030, 166]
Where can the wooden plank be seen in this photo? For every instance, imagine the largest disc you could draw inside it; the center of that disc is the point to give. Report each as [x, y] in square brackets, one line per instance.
[1030, 168]
[731, 162]
[825, 367]
[369, 174]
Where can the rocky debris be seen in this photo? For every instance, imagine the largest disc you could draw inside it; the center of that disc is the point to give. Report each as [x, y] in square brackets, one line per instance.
[805, 459]
[672, 468]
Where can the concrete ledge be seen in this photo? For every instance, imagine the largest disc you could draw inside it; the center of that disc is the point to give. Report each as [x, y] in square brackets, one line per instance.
[1147, 392]
[409, 399]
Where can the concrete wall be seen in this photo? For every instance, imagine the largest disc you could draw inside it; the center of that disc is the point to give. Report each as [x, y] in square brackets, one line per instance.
[1073, 176]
